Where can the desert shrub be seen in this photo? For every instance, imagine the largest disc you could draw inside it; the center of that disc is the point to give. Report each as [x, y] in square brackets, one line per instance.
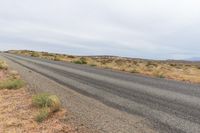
[35, 54]
[11, 84]
[41, 100]
[77, 62]
[3, 65]
[151, 64]
[71, 56]
[93, 65]
[159, 74]
[198, 67]
[55, 103]
[123, 69]
[82, 60]
[51, 54]
[104, 61]
[45, 54]
[134, 70]
[173, 65]
[42, 115]
[47, 103]
[14, 74]
[57, 58]
[188, 65]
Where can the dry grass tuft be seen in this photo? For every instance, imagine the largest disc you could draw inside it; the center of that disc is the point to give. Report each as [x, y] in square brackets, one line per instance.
[35, 54]
[41, 100]
[57, 58]
[42, 115]
[3, 65]
[80, 61]
[11, 84]
[158, 74]
[47, 104]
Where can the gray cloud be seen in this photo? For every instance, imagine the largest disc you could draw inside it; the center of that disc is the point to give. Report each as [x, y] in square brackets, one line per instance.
[147, 29]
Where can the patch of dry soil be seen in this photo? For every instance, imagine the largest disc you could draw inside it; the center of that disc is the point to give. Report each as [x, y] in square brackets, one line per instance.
[17, 115]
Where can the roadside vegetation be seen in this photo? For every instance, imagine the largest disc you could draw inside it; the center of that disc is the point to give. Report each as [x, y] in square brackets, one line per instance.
[11, 84]
[170, 69]
[82, 60]
[3, 65]
[48, 104]
[21, 113]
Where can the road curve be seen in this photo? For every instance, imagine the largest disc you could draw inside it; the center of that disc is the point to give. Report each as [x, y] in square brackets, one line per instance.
[171, 106]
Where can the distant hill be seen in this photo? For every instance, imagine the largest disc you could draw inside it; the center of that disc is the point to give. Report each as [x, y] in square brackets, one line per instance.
[194, 59]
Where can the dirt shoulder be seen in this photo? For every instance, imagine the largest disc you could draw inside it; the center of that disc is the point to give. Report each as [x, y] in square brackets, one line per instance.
[17, 112]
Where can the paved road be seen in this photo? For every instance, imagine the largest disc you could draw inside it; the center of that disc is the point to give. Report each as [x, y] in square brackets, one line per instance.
[172, 107]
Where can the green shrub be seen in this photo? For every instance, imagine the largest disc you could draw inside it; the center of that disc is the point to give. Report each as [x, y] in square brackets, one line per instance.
[46, 100]
[47, 103]
[77, 62]
[12, 84]
[43, 114]
[41, 100]
[81, 61]
[93, 65]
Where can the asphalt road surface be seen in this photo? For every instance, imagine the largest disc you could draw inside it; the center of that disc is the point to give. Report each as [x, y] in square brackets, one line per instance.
[171, 106]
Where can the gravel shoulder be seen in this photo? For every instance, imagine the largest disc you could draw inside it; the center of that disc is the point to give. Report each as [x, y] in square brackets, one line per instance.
[84, 110]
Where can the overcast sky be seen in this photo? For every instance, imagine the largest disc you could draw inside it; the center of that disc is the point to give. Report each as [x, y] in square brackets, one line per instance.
[158, 29]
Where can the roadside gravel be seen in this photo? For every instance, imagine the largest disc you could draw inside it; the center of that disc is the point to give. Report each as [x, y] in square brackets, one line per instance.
[85, 111]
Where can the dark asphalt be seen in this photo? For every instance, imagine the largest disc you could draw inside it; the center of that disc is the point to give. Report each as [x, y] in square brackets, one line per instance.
[171, 106]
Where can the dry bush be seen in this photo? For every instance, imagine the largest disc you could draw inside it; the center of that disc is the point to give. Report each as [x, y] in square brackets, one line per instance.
[82, 60]
[55, 103]
[35, 54]
[14, 74]
[3, 65]
[198, 67]
[158, 74]
[151, 64]
[42, 115]
[12, 84]
[93, 65]
[41, 100]
[57, 58]
[134, 70]
[70, 56]
[47, 103]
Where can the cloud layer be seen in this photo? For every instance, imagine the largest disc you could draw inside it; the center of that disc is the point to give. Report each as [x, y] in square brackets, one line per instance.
[147, 29]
